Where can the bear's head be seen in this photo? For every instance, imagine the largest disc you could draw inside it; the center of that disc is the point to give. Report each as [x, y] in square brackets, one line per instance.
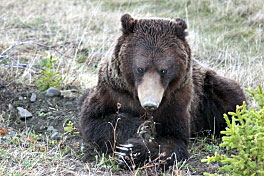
[154, 58]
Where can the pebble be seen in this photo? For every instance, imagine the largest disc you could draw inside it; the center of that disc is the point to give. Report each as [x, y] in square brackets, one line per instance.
[55, 136]
[33, 97]
[53, 92]
[10, 107]
[51, 128]
[23, 113]
[68, 105]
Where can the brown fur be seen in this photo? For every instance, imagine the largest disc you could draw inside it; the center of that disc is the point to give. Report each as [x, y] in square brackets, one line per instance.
[194, 100]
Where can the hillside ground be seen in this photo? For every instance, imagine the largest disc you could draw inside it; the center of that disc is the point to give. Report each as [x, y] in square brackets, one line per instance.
[225, 35]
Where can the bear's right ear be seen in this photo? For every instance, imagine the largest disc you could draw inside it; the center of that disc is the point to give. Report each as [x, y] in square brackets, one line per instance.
[180, 28]
[128, 23]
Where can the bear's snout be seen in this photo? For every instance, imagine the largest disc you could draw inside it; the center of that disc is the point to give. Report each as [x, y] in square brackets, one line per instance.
[150, 91]
[150, 105]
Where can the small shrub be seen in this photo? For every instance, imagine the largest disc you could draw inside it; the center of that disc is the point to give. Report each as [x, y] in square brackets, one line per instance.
[49, 77]
[244, 137]
[69, 127]
[105, 162]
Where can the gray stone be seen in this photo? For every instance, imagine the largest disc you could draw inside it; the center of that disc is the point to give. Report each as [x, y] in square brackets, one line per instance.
[33, 97]
[68, 105]
[42, 127]
[10, 107]
[51, 128]
[55, 136]
[53, 92]
[11, 133]
[23, 113]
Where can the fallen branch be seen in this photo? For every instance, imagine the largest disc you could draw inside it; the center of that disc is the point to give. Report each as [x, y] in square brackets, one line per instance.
[4, 54]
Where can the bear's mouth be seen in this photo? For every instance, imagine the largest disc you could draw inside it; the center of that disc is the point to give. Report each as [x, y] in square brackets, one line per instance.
[150, 91]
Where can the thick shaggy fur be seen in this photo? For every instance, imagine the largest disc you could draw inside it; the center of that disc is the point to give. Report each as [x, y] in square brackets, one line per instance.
[194, 100]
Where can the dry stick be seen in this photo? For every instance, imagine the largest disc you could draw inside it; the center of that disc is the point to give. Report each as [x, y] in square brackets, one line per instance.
[12, 27]
[114, 128]
[4, 55]
[12, 46]
[115, 136]
[118, 105]
[24, 66]
[51, 47]
[67, 171]
[152, 163]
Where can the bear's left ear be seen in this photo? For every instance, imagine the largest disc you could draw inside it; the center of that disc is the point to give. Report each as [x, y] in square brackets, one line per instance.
[128, 23]
[180, 27]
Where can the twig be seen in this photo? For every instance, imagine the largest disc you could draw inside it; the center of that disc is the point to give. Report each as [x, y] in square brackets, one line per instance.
[12, 46]
[154, 162]
[115, 137]
[3, 55]
[67, 171]
[21, 66]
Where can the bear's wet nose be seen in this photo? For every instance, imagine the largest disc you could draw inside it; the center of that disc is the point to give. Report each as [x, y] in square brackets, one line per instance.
[150, 106]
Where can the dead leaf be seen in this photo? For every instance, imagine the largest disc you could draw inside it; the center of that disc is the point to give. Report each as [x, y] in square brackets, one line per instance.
[3, 131]
[177, 172]
[31, 140]
[40, 148]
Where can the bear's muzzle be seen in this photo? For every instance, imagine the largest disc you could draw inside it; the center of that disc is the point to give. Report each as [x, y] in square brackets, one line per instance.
[150, 91]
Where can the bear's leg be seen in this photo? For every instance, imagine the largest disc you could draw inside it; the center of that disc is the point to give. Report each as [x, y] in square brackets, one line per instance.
[168, 146]
[119, 127]
[164, 151]
[98, 122]
[220, 95]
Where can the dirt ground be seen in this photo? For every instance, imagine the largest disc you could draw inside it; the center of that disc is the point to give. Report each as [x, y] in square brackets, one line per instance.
[50, 118]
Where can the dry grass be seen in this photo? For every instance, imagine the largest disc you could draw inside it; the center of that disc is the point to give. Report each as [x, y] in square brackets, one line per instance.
[29, 157]
[226, 35]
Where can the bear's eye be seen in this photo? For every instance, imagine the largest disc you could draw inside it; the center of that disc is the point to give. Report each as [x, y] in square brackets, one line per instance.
[163, 72]
[140, 70]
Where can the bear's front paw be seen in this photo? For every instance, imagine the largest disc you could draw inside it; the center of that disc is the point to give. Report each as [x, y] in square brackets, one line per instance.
[132, 154]
[147, 131]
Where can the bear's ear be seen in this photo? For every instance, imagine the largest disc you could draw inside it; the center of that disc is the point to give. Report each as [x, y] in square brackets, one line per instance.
[128, 23]
[180, 27]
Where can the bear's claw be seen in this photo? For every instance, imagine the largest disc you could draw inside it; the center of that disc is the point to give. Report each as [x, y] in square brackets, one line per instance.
[127, 145]
[120, 154]
[122, 148]
[125, 155]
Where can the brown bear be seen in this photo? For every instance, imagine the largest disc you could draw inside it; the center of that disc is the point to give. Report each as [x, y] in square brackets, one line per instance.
[151, 96]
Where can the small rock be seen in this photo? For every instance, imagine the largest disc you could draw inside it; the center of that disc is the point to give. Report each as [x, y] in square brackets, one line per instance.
[33, 97]
[3, 138]
[20, 98]
[53, 92]
[68, 105]
[42, 127]
[23, 113]
[11, 133]
[55, 136]
[51, 128]
[10, 107]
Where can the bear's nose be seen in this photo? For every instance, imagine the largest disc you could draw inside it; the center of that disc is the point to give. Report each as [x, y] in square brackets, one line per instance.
[150, 106]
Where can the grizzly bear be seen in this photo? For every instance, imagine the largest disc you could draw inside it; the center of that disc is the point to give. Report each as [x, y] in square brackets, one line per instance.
[152, 96]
